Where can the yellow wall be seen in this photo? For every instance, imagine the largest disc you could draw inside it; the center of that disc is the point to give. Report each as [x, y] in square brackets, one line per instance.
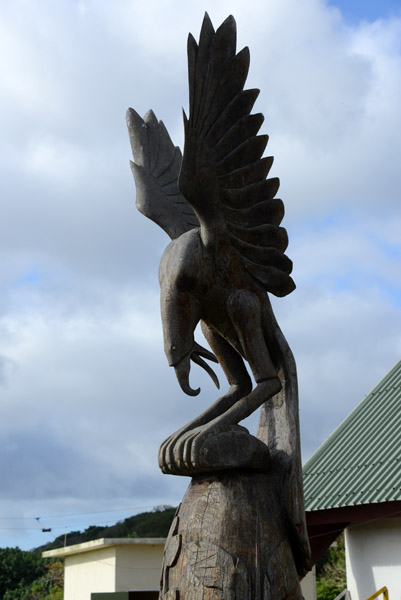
[118, 568]
[138, 567]
[89, 572]
[308, 585]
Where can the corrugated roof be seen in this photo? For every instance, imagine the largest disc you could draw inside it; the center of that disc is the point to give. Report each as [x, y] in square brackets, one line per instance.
[360, 463]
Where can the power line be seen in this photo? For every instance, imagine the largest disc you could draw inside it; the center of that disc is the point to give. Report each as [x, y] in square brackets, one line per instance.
[71, 525]
[98, 512]
[57, 527]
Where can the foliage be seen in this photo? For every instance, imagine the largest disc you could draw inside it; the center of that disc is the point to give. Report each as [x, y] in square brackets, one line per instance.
[330, 572]
[18, 567]
[25, 575]
[154, 523]
[47, 587]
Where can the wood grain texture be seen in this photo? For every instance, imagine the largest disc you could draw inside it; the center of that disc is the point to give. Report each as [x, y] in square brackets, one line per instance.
[229, 541]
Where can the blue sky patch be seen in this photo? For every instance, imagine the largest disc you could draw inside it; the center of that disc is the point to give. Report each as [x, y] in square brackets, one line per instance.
[355, 11]
[32, 276]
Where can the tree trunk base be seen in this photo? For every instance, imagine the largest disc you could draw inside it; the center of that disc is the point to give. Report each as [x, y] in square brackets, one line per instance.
[229, 541]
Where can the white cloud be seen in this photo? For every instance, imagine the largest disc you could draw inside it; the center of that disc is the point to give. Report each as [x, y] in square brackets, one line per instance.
[86, 395]
[59, 162]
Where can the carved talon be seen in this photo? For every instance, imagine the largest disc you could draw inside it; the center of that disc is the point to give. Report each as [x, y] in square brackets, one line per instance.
[180, 453]
[197, 447]
[213, 447]
[193, 445]
[165, 451]
[169, 453]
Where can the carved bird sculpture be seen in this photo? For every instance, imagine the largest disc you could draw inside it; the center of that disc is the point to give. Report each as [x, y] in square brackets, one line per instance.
[227, 251]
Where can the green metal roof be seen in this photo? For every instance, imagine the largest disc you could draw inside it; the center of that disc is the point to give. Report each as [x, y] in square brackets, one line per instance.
[360, 463]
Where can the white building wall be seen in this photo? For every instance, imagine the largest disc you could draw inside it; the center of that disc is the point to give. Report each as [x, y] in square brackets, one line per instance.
[138, 567]
[89, 572]
[308, 585]
[373, 558]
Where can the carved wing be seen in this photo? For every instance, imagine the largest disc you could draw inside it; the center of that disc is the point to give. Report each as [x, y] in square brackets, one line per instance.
[156, 168]
[223, 174]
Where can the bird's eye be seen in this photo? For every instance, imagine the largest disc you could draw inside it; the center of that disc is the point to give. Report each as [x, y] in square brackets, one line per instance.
[173, 348]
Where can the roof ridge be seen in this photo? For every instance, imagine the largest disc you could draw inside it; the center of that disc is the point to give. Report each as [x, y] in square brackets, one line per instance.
[364, 451]
[388, 374]
[341, 425]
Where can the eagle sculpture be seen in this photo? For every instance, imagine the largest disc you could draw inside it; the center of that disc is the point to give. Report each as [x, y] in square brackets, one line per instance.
[227, 252]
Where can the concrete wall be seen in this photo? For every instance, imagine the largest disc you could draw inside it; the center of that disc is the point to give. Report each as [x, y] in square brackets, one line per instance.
[111, 568]
[373, 558]
[308, 585]
[89, 572]
[138, 567]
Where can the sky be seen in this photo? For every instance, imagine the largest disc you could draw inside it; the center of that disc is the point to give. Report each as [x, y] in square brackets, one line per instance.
[86, 394]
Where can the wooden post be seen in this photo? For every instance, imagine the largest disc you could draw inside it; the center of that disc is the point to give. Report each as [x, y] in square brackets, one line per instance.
[229, 541]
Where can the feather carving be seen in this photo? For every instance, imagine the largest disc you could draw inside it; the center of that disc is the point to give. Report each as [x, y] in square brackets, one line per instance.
[156, 167]
[223, 173]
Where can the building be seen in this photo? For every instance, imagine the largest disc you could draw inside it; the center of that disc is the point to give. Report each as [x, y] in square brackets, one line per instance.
[353, 482]
[111, 565]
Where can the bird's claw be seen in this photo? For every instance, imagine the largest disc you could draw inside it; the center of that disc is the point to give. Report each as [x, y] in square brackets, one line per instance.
[212, 447]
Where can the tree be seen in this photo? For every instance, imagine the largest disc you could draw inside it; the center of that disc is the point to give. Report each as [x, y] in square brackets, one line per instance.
[18, 566]
[47, 587]
[330, 572]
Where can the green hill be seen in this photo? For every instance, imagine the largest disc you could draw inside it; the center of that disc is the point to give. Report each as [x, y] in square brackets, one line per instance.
[27, 576]
[155, 523]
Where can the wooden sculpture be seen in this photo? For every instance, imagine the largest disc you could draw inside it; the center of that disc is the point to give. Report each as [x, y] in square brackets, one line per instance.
[240, 531]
